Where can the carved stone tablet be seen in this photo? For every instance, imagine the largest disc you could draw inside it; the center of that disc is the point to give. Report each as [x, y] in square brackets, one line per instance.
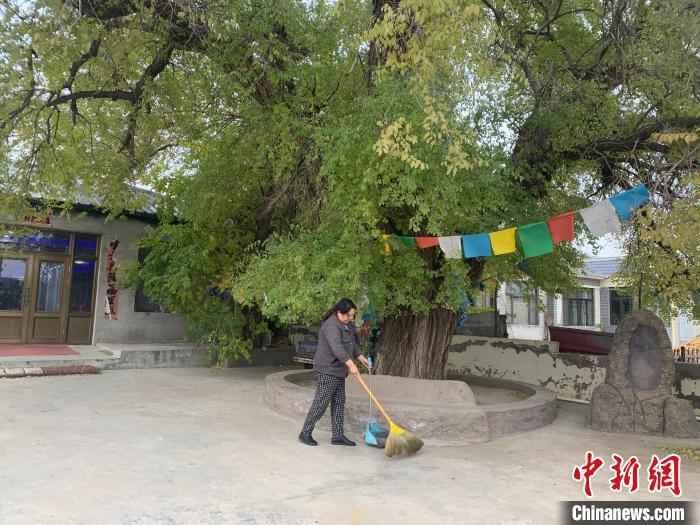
[637, 395]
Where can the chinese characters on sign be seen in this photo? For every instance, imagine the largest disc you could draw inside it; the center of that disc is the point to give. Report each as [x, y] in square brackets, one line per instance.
[31, 219]
[112, 291]
[662, 473]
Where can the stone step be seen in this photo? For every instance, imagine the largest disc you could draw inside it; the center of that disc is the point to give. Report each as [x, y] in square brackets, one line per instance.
[110, 356]
[87, 356]
[278, 355]
[55, 370]
[156, 356]
[116, 356]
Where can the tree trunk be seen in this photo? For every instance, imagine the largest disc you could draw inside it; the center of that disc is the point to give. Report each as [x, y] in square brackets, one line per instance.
[416, 345]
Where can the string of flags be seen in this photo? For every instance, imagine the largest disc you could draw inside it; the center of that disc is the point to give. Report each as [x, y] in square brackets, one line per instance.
[534, 239]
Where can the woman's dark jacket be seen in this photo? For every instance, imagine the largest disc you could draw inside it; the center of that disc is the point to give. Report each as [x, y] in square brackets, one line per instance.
[337, 342]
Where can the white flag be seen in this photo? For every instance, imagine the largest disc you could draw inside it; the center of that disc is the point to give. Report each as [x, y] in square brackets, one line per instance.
[601, 218]
[451, 246]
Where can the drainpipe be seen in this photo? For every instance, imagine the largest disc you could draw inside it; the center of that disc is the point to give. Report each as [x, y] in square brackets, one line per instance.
[495, 313]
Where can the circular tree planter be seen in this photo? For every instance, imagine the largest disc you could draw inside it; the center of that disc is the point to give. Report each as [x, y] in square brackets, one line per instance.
[439, 411]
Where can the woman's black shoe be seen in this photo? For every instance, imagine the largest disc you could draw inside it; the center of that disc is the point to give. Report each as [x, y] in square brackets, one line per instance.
[342, 440]
[307, 440]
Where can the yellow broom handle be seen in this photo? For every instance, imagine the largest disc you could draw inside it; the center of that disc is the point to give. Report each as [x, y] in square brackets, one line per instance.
[376, 401]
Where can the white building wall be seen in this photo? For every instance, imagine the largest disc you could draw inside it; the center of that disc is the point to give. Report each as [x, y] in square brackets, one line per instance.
[683, 329]
[522, 331]
[130, 326]
[596, 308]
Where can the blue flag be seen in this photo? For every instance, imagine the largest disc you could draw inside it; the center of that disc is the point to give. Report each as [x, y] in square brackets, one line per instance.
[626, 202]
[478, 245]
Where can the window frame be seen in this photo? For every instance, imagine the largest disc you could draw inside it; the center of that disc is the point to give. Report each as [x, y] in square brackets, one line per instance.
[142, 303]
[620, 297]
[584, 307]
[529, 297]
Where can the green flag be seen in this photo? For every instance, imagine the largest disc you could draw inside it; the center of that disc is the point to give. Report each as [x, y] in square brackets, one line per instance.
[535, 239]
[407, 241]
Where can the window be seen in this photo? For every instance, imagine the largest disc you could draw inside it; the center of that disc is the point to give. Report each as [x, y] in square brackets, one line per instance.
[12, 276]
[50, 283]
[578, 308]
[141, 301]
[83, 276]
[521, 305]
[39, 241]
[82, 281]
[86, 246]
[621, 303]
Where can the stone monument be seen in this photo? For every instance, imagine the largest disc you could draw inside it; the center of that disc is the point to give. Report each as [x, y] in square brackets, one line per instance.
[637, 395]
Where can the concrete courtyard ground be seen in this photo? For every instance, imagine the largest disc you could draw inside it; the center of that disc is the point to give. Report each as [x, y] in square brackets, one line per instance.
[199, 446]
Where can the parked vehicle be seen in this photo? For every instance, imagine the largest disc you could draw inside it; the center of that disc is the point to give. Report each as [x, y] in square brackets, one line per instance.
[575, 340]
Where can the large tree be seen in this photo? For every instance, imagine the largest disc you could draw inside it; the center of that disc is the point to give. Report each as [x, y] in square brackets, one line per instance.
[288, 137]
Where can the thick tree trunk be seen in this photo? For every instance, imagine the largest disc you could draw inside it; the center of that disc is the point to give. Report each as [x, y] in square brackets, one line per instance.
[416, 345]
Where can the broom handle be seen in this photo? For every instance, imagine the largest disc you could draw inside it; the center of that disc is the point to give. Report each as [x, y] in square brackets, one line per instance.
[369, 413]
[376, 401]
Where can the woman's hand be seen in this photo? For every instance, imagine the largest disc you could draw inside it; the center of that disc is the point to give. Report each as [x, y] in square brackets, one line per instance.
[362, 359]
[351, 367]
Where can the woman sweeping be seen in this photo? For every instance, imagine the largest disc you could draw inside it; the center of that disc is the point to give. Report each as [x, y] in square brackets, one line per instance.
[338, 344]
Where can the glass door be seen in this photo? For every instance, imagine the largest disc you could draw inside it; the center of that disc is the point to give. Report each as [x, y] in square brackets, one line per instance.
[14, 297]
[47, 317]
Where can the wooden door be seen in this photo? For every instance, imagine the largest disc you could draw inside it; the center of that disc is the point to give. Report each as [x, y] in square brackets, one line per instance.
[47, 315]
[15, 293]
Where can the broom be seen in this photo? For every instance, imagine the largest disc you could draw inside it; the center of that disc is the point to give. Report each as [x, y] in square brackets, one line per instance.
[400, 441]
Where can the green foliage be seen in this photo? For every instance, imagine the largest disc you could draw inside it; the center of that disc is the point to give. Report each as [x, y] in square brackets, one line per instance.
[664, 255]
[177, 273]
[286, 137]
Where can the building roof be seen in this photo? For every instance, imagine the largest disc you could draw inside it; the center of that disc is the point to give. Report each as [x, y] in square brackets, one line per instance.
[145, 210]
[602, 267]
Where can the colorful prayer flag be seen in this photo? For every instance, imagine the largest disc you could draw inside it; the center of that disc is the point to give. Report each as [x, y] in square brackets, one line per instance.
[601, 218]
[451, 246]
[478, 245]
[535, 239]
[503, 241]
[626, 202]
[427, 242]
[562, 227]
[407, 241]
[386, 247]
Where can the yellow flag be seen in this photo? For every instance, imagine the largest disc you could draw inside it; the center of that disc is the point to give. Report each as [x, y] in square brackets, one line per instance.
[503, 241]
[385, 244]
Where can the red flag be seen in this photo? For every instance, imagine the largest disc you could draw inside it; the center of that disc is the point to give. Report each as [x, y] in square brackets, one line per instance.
[562, 227]
[427, 242]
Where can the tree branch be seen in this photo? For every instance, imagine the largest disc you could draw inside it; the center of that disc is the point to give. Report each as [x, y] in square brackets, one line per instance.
[640, 138]
[92, 94]
[12, 116]
[75, 67]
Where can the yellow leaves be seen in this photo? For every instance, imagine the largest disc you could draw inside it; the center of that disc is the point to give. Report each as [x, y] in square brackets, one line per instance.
[472, 11]
[396, 140]
[456, 159]
[435, 124]
[426, 37]
[671, 137]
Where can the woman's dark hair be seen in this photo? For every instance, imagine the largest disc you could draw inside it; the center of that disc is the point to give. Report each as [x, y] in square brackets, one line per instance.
[343, 306]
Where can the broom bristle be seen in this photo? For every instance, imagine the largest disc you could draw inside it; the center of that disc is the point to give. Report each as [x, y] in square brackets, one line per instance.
[402, 443]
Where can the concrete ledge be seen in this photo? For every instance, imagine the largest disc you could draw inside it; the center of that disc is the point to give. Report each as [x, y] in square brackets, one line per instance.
[573, 377]
[55, 370]
[537, 410]
[13, 372]
[155, 356]
[266, 357]
[108, 356]
[291, 393]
